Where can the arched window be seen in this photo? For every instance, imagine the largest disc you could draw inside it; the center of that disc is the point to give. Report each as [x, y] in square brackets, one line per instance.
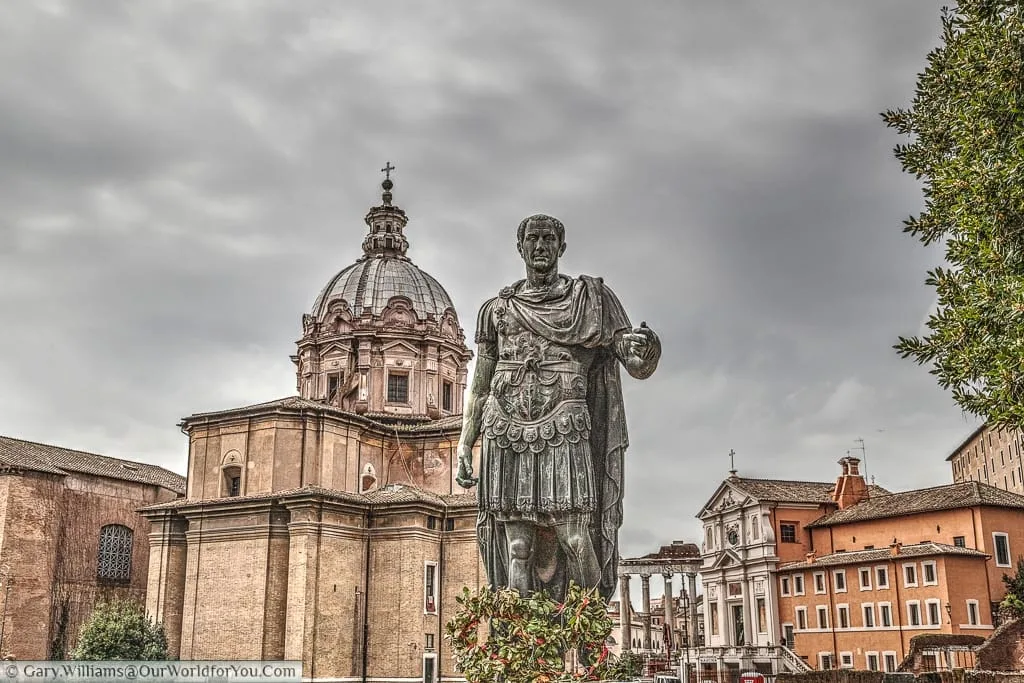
[232, 480]
[115, 558]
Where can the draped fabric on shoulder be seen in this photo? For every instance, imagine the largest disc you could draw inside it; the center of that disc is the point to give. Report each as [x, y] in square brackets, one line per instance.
[575, 312]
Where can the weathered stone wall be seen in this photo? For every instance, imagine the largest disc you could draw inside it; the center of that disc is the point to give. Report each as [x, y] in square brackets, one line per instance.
[1004, 651]
[50, 541]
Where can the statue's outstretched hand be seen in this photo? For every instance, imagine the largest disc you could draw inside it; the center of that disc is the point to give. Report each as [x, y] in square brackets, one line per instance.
[643, 342]
[464, 477]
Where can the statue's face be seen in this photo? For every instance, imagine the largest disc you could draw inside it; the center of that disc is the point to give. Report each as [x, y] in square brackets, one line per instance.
[541, 246]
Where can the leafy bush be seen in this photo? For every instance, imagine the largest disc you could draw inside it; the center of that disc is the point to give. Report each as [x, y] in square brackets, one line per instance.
[120, 630]
[529, 637]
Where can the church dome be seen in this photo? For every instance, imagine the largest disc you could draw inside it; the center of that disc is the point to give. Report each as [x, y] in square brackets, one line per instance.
[383, 339]
[371, 282]
[384, 271]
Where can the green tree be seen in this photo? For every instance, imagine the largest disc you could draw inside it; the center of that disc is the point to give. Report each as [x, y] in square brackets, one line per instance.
[967, 146]
[120, 630]
[1013, 603]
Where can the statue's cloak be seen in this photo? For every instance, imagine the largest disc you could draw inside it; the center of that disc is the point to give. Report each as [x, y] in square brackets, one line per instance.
[575, 312]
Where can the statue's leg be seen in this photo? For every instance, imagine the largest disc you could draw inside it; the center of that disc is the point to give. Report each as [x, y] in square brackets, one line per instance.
[521, 538]
[574, 537]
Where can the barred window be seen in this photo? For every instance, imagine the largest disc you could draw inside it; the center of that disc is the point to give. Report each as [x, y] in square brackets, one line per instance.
[398, 388]
[115, 559]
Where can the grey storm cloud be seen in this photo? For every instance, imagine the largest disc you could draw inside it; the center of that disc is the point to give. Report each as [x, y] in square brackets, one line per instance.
[178, 180]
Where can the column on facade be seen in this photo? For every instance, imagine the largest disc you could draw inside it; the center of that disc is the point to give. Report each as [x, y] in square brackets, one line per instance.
[168, 565]
[625, 614]
[692, 590]
[669, 613]
[645, 586]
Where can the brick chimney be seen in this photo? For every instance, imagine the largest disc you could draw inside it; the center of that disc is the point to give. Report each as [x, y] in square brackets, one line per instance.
[811, 556]
[850, 487]
[894, 547]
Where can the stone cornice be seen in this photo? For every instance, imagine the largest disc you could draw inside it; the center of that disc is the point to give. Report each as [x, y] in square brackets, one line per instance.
[329, 414]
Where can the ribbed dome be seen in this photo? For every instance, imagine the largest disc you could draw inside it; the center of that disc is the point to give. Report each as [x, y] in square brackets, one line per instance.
[368, 285]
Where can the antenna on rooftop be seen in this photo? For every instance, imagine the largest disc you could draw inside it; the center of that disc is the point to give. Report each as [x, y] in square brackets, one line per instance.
[863, 454]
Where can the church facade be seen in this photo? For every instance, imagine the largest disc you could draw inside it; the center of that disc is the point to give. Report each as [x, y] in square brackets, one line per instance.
[327, 527]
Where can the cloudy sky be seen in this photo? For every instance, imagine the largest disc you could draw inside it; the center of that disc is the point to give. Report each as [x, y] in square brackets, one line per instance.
[178, 181]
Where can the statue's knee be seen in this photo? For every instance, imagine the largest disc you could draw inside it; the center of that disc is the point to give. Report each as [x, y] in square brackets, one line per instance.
[576, 544]
[520, 549]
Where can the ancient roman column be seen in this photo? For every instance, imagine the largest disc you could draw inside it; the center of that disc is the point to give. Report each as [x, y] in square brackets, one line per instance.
[692, 589]
[669, 616]
[625, 614]
[645, 585]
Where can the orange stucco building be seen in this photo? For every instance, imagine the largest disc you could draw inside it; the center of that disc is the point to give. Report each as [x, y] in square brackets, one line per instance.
[884, 568]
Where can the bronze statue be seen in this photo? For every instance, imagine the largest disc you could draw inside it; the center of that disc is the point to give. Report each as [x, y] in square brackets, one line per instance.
[547, 402]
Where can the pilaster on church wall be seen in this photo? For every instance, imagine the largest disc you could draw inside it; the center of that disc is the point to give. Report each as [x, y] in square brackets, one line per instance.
[339, 598]
[463, 568]
[398, 557]
[165, 589]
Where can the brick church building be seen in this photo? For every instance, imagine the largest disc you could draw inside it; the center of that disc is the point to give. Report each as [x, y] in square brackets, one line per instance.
[327, 527]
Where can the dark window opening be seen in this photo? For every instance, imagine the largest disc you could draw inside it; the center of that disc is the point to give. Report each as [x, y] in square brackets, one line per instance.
[431, 522]
[446, 397]
[235, 486]
[787, 532]
[960, 541]
[398, 388]
[449, 525]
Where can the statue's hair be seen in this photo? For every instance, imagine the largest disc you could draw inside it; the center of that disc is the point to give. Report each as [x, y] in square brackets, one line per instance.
[541, 218]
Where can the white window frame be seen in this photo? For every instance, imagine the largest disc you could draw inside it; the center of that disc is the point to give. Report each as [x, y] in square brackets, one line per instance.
[938, 611]
[429, 599]
[924, 573]
[784, 586]
[840, 609]
[824, 587]
[847, 656]
[797, 613]
[973, 616]
[822, 656]
[906, 582]
[423, 671]
[798, 580]
[886, 659]
[995, 549]
[910, 620]
[867, 661]
[868, 609]
[822, 610]
[860, 578]
[880, 571]
[835, 583]
[887, 609]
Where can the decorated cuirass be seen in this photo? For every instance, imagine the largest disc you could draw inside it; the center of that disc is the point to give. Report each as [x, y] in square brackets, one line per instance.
[538, 390]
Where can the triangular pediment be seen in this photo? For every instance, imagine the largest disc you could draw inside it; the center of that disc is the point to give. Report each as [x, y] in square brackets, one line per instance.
[726, 496]
[401, 347]
[335, 347]
[726, 558]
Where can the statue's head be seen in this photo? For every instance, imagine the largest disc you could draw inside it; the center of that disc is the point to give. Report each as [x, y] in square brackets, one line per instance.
[541, 241]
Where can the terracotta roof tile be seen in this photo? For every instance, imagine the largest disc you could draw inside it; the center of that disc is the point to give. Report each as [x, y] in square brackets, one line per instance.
[783, 491]
[40, 457]
[879, 554]
[948, 497]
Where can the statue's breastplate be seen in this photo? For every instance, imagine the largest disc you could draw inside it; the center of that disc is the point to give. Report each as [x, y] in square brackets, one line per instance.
[534, 376]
